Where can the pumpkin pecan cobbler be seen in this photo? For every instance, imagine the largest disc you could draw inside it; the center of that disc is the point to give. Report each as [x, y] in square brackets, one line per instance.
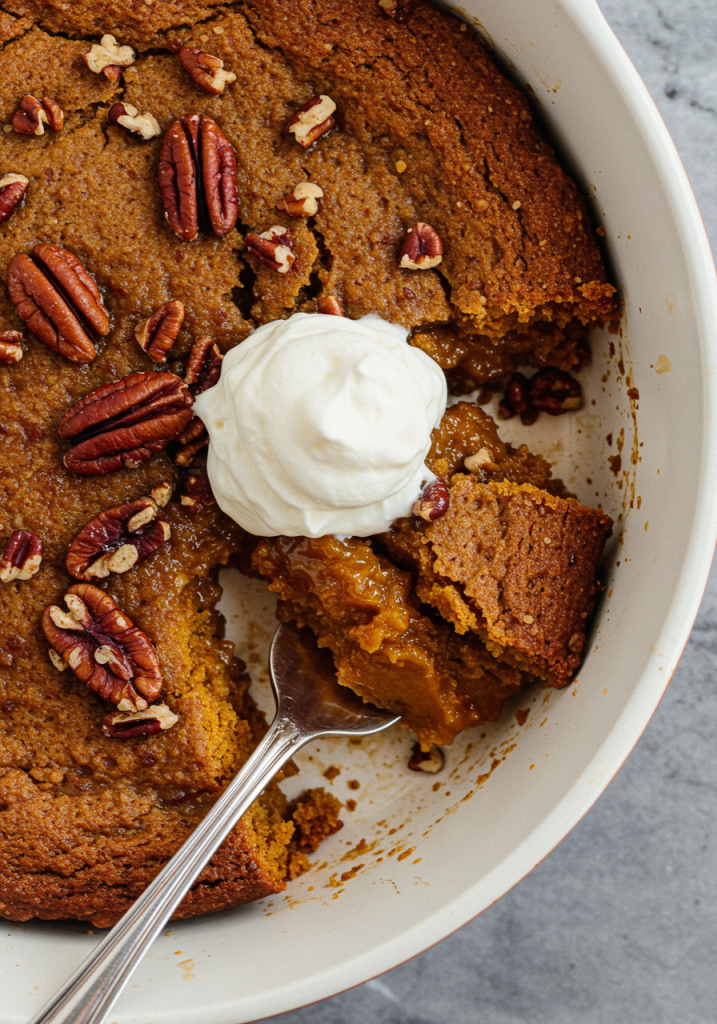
[176, 178]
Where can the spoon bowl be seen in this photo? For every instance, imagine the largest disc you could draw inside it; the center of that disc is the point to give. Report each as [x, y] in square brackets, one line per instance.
[307, 692]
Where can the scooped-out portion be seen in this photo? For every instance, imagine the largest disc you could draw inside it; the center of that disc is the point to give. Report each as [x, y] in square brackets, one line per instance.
[441, 621]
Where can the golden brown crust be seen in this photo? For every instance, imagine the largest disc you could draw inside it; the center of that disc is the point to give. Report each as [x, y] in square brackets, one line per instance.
[130, 21]
[86, 820]
[513, 564]
[100, 876]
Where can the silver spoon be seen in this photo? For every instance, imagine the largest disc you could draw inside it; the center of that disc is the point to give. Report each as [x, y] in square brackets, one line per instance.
[310, 703]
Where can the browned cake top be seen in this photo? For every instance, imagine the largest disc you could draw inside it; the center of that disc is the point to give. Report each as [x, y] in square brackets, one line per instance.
[513, 563]
[427, 129]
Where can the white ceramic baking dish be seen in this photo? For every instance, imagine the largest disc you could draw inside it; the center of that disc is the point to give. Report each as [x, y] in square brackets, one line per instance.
[458, 848]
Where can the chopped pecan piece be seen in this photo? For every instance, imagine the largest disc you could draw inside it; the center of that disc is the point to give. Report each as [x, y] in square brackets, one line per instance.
[191, 441]
[117, 539]
[10, 347]
[197, 178]
[433, 502]
[422, 248]
[158, 333]
[121, 424]
[104, 648]
[516, 399]
[108, 57]
[274, 247]
[34, 114]
[555, 391]
[126, 116]
[312, 120]
[396, 9]
[206, 70]
[126, 725]
[161, 493]
[58, 300]
[426, 761]
[197, 493]
[330, 306]
[22, 556]
[203, 366]
[12, 189]
[302, 202]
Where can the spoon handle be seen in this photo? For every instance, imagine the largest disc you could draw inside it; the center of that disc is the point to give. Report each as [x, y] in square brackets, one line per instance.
[92, 990]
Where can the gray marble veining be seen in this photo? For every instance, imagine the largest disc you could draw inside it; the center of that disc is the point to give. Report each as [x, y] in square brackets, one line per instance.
[619, 924]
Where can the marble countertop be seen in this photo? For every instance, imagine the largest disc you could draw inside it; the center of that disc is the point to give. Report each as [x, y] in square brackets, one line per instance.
[618, 925]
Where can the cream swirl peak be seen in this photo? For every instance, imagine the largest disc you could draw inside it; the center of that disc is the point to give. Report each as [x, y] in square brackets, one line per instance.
[320, 425]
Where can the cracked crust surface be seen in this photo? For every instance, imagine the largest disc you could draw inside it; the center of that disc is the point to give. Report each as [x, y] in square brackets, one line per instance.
[510, 570]
[521, 257]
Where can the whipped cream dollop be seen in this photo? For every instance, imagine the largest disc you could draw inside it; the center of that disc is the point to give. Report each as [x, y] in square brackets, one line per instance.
[320, 425]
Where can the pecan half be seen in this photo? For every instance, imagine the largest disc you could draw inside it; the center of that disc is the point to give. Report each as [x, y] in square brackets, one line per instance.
[203, 366]
[312, 120]
[158, 333]
[10, 347]
[58, 300]
[555, 391]
[123, 423]
[34, 114]
[206, 70]
[274, 247]
[191, 441]
[108, 57]
[422, 248]
[516, 399]
[12, 189]
[22, 556]
[117, 539]
[426, 761]
[126, 725]
[104, 648]
[197, 493]
[330, 306]
[399, 10]
[302, 202]
[433, 502]
[126, 116]
[197, 178]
